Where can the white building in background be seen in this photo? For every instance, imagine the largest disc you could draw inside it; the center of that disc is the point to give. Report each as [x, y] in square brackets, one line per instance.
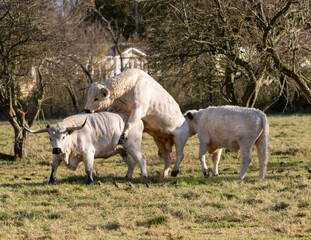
[131, 58]
[103, 67]
[110, 65]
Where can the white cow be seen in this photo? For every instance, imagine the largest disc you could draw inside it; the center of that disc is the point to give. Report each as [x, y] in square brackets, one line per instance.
[83, 137]
[139, 96]
[230, 127]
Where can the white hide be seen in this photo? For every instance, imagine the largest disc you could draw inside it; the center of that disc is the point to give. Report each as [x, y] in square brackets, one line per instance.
[234, 128]
[140, 97]
[97, 139]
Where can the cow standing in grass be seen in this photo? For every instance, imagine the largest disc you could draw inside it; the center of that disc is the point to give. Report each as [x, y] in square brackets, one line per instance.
[140, 97]
[234, 128]
[83, 137]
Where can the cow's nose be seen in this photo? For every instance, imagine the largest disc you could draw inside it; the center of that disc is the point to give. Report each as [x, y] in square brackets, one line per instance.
[87, 110]
[57, 151]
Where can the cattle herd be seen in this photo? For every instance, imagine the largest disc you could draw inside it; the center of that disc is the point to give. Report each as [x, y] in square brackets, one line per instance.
[121, 108]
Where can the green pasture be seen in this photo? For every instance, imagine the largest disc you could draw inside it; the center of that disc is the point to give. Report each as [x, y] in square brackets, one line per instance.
[186, 207]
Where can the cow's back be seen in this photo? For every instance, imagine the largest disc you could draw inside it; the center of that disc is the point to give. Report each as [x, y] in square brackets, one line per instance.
[163, 112]
[163, 109]
[227, 125]
[101, 132]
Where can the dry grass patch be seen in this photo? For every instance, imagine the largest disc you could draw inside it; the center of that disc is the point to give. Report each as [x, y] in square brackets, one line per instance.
[193, 207]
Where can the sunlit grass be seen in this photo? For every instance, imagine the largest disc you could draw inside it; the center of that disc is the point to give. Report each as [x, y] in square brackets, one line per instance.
[193, 207]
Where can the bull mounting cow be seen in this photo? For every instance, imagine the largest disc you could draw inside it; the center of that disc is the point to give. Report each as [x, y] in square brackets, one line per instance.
[136, 94]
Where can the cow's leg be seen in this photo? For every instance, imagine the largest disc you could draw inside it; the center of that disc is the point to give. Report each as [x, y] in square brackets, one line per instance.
[130, 162]
[133, 148]
[164, 154]
[262, 150]
[140, 159]
[202, 151]
[245, 159]
[180, 137]
[88, 160]
[135, 151]
[167, 161]
[135, 116]
[55, 164]
[216, 158]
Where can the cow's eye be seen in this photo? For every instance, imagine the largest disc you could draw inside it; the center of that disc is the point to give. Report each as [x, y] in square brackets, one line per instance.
[95, 99]
[50, 139]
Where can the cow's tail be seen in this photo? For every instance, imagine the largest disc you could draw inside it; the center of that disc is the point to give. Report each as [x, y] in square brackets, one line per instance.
[262, 146]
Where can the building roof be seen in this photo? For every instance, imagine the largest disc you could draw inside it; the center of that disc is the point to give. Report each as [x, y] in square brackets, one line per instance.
[112, 51]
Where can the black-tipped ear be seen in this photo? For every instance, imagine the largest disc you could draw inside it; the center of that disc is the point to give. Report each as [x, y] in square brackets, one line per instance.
[105, 92]
[189, 115]
[48, 126]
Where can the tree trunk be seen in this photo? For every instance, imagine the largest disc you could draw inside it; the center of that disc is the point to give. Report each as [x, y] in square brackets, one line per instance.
[19, 143]
[251, 87]
[258, 85]
[249, 93]
[15, 114]
[18, 138]
[229, 87]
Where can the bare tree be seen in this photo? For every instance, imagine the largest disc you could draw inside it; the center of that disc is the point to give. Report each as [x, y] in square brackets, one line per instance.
[287, 28]
[230, 50]
[77, 61]
[24, 36]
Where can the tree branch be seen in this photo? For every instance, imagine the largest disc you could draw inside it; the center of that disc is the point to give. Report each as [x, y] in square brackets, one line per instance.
[290, 73]
[274, 20]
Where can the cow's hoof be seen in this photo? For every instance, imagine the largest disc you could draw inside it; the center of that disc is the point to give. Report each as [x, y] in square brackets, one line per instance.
[128, 177]
[52, 181]
[206, 173]
[174, 173]
[90, 182]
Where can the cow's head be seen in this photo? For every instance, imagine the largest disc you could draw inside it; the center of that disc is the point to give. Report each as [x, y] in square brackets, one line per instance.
[190, 116]
[98, 98]
[59, 137]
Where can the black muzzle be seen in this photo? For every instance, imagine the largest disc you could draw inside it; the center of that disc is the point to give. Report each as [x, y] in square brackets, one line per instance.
[56, 151]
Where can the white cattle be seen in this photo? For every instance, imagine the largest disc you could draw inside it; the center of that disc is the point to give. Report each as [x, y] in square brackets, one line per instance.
[230, 127]
[83, 137]
[139, 96]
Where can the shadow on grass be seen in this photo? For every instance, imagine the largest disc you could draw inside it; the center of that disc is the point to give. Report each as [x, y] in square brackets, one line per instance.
[6, 157]
[155, 180]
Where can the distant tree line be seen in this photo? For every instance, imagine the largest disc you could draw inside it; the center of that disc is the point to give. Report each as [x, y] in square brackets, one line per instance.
[241, 52]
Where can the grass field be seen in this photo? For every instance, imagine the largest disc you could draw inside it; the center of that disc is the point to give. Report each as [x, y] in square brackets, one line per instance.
[194, 207]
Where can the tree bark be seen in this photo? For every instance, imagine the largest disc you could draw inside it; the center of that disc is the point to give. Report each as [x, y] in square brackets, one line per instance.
[230, 87]
[19, 143]
[302, 85]
[19, 136]
[17, 117]
[248, 94]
